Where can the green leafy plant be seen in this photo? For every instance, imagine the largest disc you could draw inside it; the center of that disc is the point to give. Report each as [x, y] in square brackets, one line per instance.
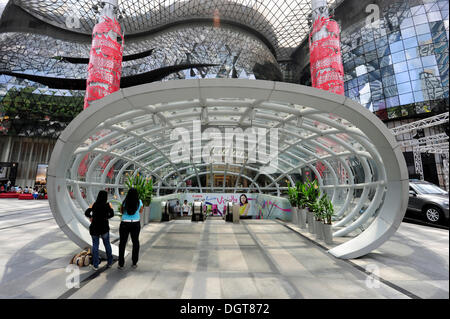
[144, 187]
[310, 194]
[303, 196]
[317, 210]
[292, 194]
[328, 209]
[299, 186]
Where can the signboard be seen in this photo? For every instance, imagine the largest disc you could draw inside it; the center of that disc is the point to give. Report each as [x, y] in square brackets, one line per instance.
[41, 175]
[246, 201]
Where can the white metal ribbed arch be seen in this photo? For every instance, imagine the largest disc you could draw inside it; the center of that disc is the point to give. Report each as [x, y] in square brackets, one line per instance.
[363, 169]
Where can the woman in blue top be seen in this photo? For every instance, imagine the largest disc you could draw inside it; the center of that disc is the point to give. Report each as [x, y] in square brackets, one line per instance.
[131, 209]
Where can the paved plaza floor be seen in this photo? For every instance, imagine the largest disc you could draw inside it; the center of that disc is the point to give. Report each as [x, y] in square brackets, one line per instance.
[214, 259]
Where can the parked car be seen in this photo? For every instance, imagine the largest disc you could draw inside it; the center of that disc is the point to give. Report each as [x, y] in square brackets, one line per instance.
[428, 200]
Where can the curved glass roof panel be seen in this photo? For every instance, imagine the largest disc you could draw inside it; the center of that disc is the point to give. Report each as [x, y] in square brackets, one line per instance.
[284, 23]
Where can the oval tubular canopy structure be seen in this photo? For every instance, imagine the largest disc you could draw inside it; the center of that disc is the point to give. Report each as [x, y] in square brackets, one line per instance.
[351, 153]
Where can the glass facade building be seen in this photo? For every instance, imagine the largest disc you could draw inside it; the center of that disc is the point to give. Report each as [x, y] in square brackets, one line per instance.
[399, 65]
[396, 67]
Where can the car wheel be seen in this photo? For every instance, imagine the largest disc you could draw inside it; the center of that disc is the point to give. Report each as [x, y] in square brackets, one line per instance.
[433, 214]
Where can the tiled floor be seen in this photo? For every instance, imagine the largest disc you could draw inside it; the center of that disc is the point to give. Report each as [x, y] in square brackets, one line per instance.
[415, 258]
[254, 259]
[181, 259]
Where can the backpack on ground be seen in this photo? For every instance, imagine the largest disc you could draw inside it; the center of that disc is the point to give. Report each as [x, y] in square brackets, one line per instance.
[83, 258]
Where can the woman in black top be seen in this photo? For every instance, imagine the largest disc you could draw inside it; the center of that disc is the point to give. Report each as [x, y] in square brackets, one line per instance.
[99, 213]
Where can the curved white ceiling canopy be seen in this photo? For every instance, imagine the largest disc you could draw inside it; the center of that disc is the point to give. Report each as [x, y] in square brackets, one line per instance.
[354, 156]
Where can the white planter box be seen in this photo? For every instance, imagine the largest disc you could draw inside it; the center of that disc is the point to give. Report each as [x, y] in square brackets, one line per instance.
[294, 215]
[327, 234]
[302, 217]
[146, 214]
[310, 219]
[318, 229]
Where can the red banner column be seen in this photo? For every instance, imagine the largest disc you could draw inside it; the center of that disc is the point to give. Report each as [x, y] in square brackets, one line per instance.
[327, 71]
[105, 62]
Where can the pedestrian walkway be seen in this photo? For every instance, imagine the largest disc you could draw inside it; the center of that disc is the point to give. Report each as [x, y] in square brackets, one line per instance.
[214, 259]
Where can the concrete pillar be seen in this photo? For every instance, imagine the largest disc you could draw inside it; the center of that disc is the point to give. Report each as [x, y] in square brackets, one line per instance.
[6, 150]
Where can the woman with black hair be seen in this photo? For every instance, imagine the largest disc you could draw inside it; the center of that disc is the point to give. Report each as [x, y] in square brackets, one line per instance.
[99, 213]
[131, 209]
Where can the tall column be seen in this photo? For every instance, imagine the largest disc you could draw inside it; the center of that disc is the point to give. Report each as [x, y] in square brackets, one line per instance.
[418, 162]
[105, 62]
[327, 71]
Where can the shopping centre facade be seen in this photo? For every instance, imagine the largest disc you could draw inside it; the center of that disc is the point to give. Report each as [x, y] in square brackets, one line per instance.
[234, 57]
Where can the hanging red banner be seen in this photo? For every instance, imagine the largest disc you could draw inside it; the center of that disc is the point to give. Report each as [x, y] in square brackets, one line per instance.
[105, 62]
[327, 71]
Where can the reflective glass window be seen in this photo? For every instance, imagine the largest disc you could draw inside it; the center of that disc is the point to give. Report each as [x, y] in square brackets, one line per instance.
[400, 67]
[383, 51]
[379, 105]
[429, 60]
[424, 39]
[353, 92]
[409, 32]
[386, 71]
[422, 28]
[418, 96]
[406, 98]
[398, 57]
[404, 88]
[365, 98]
[393, 101]
[406, 23]
[402, 77]
[385, 61]
[440, 48]
[412, 53]
[414, 64]
[410, 42]
[375, 76]
[415, 74]
[361, 70]
[432, 70]
[425, 50]
[420, 19]
[434, 16]
[416, 85]
[389, 80]
[362, 80]
[396, 46]
[390, 91]
[381, 42]
[369, 46]
[417, 10]
[394, 37]
[371, 56]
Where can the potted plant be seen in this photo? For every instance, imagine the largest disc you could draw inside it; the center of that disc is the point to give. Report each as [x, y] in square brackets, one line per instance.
[144, 187]
[292, 196]
[312, 193]
[317, 208]
[301, 205]
[328, 212]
